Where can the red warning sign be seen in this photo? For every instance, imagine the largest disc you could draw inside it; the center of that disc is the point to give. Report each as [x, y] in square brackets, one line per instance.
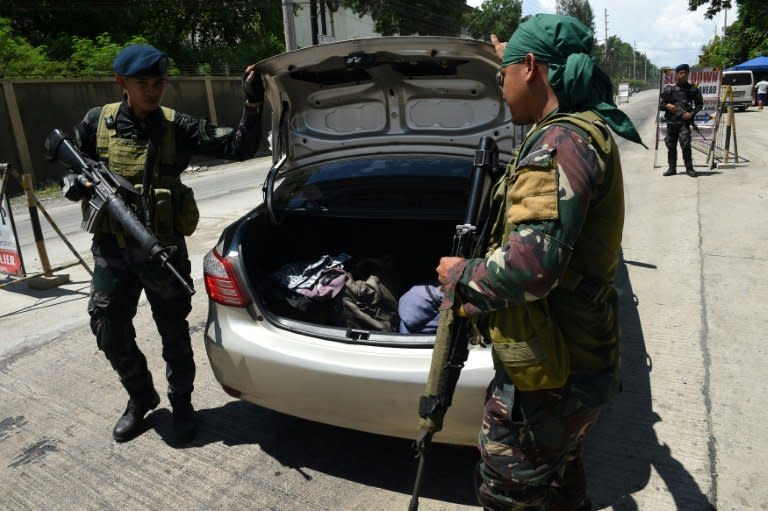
[10, 262]
[10, 254]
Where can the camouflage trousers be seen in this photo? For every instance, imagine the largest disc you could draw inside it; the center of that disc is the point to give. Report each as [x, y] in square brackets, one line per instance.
[530, 449]
[678, 132]
[119, 276]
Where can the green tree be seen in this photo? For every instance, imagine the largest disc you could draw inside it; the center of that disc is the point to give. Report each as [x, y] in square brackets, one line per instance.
[19, 58]
[714, 7]
[579, 9]
[500, 17]
[406, 17]
[746, 38]
[226, 34]
[624, 64]
[94, 57]
[712, 54]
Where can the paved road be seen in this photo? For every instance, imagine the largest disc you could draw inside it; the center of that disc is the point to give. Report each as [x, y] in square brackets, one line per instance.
[687, 433]
[223, 192]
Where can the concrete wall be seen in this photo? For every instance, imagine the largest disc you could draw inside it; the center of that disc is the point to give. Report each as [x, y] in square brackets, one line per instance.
[30, 109]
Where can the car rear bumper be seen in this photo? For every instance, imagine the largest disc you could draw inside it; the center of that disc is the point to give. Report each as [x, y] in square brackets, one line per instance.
[368, 388]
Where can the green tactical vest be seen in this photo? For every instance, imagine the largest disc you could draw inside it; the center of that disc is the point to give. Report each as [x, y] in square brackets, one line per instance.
[172, 205]
[574, 329]
[127, 156]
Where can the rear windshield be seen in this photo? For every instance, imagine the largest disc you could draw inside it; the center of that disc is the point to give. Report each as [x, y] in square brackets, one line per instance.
[737, 79]
[381, 183]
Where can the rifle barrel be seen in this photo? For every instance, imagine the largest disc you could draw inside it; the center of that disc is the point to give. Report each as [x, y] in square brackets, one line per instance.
[448, 356]
[413, 505]
[58, 147]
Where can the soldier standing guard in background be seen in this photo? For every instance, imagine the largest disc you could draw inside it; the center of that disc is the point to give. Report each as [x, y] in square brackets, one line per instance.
[150, 146]
[680, 103]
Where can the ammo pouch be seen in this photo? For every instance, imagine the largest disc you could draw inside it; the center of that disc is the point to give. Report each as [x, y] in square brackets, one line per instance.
[530, 347]
[172, 210]
[161, 214]
[185, 212]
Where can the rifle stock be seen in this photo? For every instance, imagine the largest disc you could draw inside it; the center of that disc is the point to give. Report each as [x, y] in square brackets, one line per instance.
[105, 185]
[451, 347]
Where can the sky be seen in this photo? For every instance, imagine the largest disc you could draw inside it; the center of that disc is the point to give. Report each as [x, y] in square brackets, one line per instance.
[664, 30]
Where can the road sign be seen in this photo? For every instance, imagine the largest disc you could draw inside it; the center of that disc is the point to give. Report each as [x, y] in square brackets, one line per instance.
[10, 253]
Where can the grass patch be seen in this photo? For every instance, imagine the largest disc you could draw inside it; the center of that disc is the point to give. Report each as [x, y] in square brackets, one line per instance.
[48, 190]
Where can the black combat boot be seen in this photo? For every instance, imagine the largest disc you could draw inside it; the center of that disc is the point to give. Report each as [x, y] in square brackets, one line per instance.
[130, 425]
[184, 424]
[688, 160]
[670, 172]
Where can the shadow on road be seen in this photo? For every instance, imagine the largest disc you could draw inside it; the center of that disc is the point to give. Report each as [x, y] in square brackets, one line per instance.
[620, 452]
[47, 297]
[305, 446]
[623, 447]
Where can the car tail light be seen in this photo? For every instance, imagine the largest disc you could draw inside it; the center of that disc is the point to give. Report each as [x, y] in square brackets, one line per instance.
[221, 282]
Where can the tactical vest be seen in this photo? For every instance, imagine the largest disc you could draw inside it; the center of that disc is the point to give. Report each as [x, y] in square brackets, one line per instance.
[171, 204]
[574, 329]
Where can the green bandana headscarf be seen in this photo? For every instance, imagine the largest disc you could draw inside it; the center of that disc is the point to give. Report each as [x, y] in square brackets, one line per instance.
[565, 43]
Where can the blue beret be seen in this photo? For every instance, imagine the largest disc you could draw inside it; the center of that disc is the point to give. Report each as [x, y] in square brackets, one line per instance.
[140, 60]
[682, 67]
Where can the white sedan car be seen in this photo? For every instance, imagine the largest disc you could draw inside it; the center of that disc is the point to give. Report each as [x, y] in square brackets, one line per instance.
[374, 141]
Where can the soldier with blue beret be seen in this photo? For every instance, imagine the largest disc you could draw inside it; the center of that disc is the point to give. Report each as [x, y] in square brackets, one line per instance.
[141, 60]
[150, 145]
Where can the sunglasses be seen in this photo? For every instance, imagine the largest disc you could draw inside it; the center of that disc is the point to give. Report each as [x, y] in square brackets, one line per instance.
[500, 72]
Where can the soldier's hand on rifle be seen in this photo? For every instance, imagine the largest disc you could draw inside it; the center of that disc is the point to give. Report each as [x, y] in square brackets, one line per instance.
[672, 108]
[444, 270]
[687, 116]
[76, 187]
[253, 87]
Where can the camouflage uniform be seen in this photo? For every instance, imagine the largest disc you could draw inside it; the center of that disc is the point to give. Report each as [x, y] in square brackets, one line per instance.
[121, 270]
[555, 336]
[687, 98]
[530, 445]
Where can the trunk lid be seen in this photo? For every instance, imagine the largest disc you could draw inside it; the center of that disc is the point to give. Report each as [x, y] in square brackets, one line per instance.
[403, 95]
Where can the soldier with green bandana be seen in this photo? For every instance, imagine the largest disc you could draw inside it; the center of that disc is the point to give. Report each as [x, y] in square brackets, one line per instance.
[150, 146]
[544, 289]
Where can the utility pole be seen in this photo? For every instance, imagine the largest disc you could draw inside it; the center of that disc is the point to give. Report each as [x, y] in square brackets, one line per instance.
[323, 27]
[288, 26]
[634, 55]
[333, 6]
[313, 20]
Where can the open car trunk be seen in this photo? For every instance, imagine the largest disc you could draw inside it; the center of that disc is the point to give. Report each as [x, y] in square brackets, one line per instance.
[399, 253]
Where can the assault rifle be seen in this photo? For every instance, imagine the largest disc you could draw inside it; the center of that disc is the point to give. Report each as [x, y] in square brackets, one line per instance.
[104, 198]
[684, 106]
[451, 347]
